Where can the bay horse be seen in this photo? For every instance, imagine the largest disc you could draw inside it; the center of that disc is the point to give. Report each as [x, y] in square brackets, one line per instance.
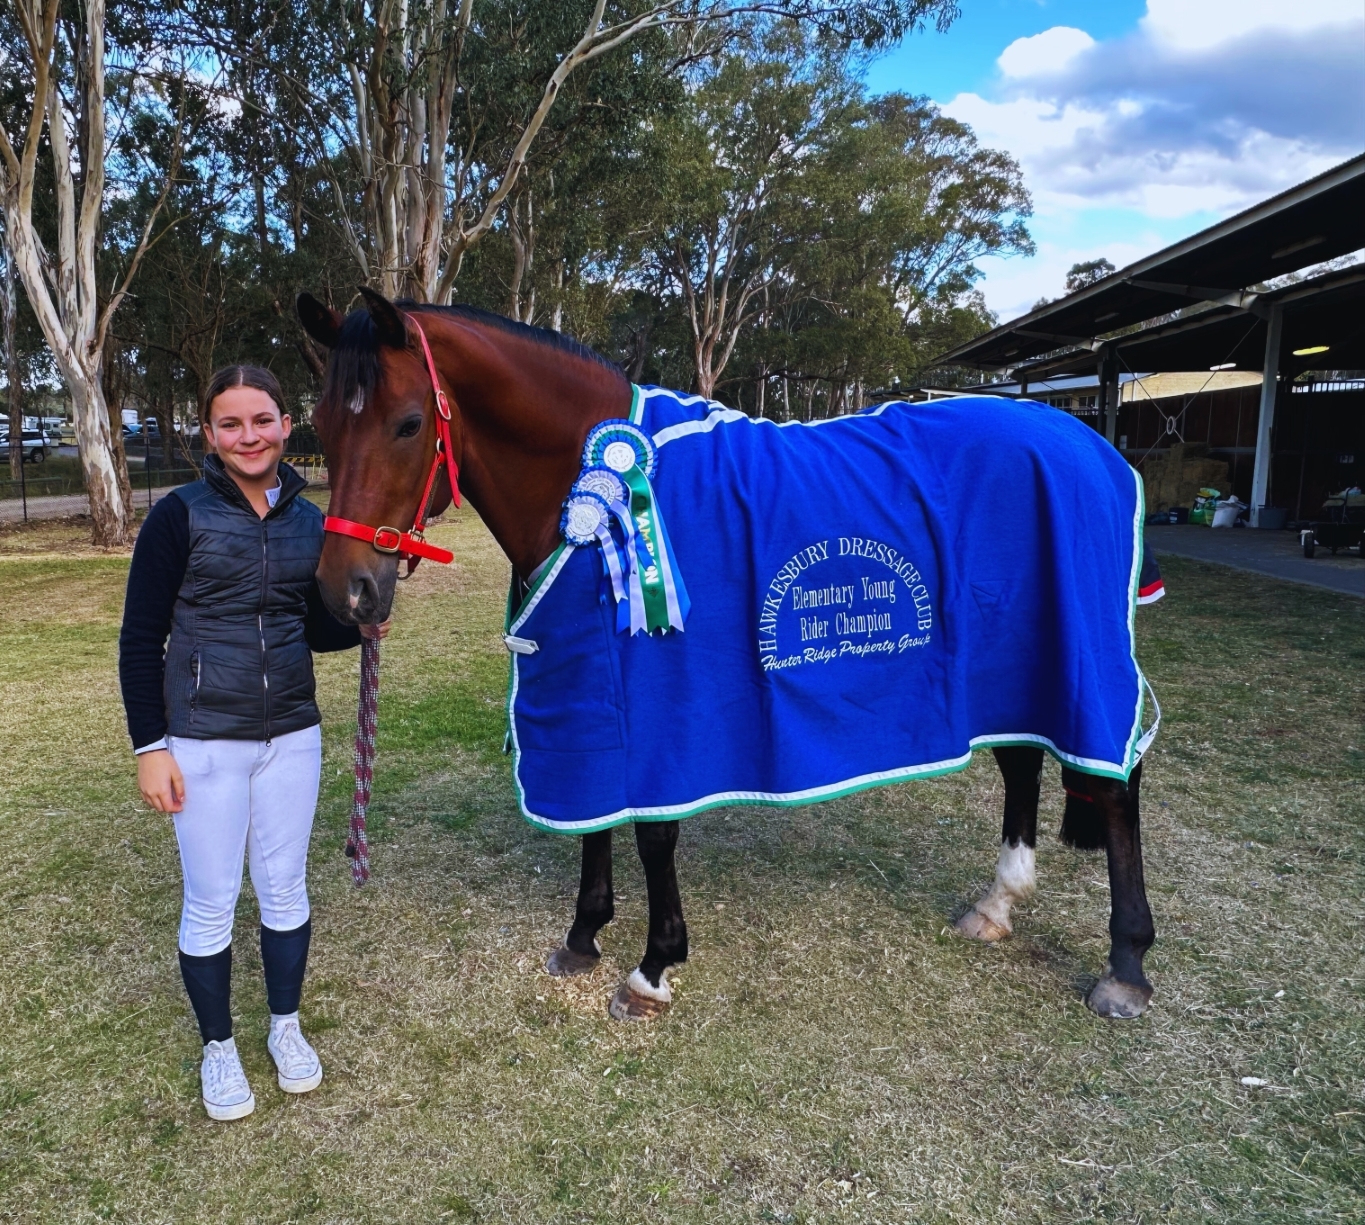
[522, 401]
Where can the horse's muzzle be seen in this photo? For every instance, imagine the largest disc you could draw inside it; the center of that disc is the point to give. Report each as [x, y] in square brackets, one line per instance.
[357, 585]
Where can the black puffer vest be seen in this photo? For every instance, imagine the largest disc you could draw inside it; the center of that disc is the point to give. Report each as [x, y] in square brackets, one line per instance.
[237, 666]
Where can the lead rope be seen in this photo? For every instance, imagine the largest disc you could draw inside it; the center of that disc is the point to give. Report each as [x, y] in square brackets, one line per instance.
[357, 844]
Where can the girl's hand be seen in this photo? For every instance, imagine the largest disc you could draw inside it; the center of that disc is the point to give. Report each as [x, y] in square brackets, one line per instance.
[160, 781]
[380, 631]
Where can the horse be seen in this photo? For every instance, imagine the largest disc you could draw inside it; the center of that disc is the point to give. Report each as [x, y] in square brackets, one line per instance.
[513, 405]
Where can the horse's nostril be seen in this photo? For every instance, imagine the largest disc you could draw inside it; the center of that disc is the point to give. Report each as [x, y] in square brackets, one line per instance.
[362, 596]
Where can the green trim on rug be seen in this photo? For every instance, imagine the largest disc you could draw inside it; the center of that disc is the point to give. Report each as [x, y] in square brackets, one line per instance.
[549, 568]
[798, 799]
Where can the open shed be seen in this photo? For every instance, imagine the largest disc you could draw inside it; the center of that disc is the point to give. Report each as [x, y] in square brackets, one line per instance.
[1223, 299]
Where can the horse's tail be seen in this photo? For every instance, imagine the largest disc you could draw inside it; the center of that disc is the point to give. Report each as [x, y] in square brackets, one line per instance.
[1082, 825]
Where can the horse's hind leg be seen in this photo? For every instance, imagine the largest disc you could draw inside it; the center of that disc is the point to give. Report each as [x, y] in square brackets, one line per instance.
[1124, 990]
[989, 919]
[580, 952]
[646, 993]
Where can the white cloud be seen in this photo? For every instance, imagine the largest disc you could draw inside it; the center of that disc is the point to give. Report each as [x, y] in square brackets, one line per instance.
[1012, 286]
[1044, 53]
[1208, 107]
[1203, 24]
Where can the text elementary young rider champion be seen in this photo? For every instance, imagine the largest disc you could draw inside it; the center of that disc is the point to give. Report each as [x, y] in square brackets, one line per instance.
[223, 718]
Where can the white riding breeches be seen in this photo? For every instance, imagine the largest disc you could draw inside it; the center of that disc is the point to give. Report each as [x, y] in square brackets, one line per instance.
[244, 796]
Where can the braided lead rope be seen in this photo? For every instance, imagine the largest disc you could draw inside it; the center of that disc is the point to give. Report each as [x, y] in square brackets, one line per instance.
[357, 845]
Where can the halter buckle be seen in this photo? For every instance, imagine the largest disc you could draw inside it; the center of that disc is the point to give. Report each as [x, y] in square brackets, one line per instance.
[387, 539]
[442, 404]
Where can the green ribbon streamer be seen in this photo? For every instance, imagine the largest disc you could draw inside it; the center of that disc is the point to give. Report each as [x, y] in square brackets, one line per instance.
[645, 517]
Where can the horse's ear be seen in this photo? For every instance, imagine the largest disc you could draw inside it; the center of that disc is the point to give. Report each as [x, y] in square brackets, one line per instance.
[393, 331]
[320, 321]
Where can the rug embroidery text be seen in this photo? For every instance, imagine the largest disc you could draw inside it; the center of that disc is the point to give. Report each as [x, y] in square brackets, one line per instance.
[843, 615]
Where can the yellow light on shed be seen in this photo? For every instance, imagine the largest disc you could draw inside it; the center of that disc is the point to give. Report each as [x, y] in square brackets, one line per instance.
[1308, 352]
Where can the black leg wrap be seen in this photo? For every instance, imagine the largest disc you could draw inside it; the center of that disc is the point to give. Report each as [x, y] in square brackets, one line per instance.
[667, 943]
[1083, 824]
[596, 905]
[284, 957]
[208, 983]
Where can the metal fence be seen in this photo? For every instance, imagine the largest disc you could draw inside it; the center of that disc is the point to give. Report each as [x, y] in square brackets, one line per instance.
[150, 470]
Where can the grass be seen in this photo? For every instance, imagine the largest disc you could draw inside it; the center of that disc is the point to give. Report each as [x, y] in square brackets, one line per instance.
[58, 474]
[833, 1052]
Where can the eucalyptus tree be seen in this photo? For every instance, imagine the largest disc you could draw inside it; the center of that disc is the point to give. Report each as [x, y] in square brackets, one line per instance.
[898, 211]
[9, 339]
[54, 222]
[423, 114]
[730, 214]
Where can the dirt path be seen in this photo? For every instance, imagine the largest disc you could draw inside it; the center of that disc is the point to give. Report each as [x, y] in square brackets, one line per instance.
[60, 506]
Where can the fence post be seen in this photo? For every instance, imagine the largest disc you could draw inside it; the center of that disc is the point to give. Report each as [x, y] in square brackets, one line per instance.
[23, 482]
[147, 462]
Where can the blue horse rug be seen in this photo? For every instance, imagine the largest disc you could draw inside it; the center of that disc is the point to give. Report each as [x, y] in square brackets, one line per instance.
[872, 598]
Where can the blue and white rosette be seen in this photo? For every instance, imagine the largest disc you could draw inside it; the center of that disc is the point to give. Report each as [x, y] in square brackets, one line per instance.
[587, 520]
[620, 445]
[604, 483]
[619, 459]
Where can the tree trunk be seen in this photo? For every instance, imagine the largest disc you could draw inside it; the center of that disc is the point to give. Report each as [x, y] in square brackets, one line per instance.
[760, 397]
[557, 315]
[8, 305]
[104, 466]
[165, 423]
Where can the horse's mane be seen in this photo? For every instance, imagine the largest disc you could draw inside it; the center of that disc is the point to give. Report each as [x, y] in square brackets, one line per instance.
[354, 366]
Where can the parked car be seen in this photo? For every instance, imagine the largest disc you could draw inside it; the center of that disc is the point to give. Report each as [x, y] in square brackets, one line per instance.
[35, 445]
[151, 429]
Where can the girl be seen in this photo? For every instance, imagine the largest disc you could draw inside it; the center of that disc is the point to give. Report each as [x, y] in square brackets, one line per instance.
[223, 720]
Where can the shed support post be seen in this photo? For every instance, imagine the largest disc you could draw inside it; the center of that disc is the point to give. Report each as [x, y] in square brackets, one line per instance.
[1108, 371]
[1270, 377]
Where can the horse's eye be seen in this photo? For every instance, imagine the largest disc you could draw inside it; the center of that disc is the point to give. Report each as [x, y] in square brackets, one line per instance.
[410, 428]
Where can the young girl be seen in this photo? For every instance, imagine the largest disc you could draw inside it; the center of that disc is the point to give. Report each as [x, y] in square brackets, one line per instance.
[223, 720]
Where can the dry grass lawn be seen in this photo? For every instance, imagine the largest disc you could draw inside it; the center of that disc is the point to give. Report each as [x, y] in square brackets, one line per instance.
[833, 1053]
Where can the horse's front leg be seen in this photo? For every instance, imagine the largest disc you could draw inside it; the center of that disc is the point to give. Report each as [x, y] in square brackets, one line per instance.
[646, 993]
[989, 919]
[1124, 990]
[580, 952]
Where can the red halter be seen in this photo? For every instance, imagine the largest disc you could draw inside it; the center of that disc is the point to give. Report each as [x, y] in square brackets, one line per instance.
[411, 544]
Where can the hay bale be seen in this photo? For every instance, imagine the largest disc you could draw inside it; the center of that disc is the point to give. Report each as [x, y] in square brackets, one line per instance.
[1174, 478]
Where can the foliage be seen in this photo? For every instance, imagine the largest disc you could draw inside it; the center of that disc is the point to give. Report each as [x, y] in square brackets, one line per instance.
[279, 145]
[1087, 273]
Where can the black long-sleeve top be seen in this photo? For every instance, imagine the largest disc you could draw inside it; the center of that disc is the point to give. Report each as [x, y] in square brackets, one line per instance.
[160, 557]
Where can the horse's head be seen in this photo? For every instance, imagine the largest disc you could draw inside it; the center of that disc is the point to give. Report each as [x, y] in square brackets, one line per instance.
[377, 423]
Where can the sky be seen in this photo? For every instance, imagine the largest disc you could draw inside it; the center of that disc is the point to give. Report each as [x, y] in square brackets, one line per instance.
[1140, 123]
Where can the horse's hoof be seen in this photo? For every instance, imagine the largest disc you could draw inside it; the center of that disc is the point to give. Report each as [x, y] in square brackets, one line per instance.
[1118, 1000]
[976, 926]
[637, 999]
[565, 963]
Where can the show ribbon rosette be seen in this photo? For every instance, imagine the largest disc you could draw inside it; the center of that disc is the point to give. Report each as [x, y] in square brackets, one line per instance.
[613, 494]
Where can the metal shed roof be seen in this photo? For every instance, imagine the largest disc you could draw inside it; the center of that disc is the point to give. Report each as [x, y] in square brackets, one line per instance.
[1315, 221]
[1327, 310]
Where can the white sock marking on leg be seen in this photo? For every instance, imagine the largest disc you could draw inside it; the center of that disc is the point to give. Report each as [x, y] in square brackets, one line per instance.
[642, 986]
[1014, 881]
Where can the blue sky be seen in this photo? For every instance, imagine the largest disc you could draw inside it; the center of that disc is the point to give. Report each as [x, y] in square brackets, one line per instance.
[1138, 122]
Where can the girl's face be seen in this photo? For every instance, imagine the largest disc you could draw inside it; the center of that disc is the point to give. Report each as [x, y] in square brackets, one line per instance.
[248, 431]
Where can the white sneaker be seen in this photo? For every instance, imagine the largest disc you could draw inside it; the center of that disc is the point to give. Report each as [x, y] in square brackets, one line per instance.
[297, 1063]
[226, 1093]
